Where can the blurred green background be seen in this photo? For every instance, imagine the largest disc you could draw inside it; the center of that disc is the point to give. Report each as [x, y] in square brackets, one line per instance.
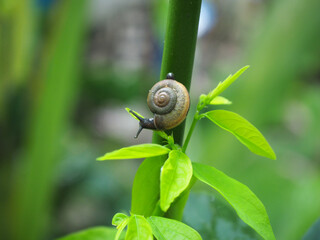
[69, 68]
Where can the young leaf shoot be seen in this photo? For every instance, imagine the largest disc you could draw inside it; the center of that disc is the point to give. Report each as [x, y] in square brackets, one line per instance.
[139, 229]
[121, 221]
[219, 100]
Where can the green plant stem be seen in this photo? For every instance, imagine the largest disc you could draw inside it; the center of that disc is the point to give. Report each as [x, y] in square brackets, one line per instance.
[193, 124]
[177, 207]
[179, 49]
[157, 210]
[178, 57]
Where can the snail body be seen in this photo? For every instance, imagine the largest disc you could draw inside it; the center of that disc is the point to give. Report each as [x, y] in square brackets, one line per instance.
[169, 101]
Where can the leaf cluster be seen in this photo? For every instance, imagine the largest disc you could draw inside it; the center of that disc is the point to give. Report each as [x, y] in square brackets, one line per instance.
[177, 171]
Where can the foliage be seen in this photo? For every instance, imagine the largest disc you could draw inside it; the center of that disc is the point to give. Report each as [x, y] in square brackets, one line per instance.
[244, 131]
[164, 228]
[283, 84]
[177, 171]
[95, 233]
[247, 205]
[138, 151]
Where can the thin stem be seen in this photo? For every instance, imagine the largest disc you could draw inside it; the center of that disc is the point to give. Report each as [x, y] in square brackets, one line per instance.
[193, 124]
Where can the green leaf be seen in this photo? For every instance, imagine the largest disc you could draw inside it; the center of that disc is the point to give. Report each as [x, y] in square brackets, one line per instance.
[244, 131]
[225, 84]
[168, 229]
[95, 233]
[175, 177]
[248, 207]
[218, 100]
[128, 110]
[168, 138]
[137, 151]
[118, 218]
[163, 135]
[139, 229]
[146, 190]
[121, 227]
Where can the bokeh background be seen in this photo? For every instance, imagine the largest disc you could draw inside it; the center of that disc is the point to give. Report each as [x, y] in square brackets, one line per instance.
[69, 68]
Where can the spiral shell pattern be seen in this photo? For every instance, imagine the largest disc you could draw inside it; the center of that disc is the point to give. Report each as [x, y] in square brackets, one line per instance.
[169, 101]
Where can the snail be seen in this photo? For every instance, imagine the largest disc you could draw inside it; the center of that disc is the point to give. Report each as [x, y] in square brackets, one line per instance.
[169, 101]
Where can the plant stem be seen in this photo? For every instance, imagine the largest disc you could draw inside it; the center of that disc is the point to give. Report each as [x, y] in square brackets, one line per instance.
[179, 48]
[193, 124]
[157, 210]
[176, 210]
[178, 57]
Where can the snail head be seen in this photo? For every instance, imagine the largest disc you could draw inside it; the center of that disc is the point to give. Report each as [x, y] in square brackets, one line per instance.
[147, 123]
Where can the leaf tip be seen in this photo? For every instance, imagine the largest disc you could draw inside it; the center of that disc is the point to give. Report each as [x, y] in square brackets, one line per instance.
[164, 206]
[242, 70]
[271, 154]
[134, 114]
[99, 158]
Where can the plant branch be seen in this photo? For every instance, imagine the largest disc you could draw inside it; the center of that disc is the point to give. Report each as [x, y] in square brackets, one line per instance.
[193, 124]
[178, 58]
[179, 48]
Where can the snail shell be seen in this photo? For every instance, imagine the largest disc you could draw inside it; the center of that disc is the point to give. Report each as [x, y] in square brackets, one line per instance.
[169, 101]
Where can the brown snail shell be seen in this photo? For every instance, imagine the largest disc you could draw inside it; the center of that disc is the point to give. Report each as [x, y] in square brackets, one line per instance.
[169, 101]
